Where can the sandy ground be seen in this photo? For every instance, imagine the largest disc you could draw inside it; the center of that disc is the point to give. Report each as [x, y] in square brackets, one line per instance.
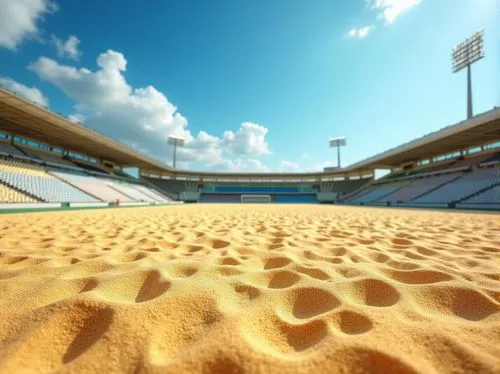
[250, 288]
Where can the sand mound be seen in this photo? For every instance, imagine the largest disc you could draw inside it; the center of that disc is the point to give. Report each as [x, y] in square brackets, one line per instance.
[248, 289]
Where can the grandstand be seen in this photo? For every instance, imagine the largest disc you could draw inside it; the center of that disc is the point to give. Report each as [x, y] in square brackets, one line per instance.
[45, 158]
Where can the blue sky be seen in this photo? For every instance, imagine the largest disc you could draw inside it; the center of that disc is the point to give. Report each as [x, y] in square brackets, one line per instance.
[252, 85]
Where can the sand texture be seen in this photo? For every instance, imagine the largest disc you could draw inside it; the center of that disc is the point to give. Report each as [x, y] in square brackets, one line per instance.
[249, 289]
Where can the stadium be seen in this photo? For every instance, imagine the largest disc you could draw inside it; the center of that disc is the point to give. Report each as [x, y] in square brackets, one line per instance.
[113, 260]
[49, 161]
[273, 279]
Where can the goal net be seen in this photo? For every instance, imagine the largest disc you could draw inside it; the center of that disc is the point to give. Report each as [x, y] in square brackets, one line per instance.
[255, 198]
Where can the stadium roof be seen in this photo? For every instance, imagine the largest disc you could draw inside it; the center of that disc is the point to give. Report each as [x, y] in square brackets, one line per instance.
[479, 130]
[22, 118]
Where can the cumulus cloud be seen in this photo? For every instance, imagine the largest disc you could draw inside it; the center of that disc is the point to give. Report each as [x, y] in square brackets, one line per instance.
[30, 93]
[390, 10]
[360, 33]
[68, 48]
[19, 20]
[250, 139]
[143, 117]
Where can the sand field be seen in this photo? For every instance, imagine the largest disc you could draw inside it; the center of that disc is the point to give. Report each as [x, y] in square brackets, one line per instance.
[249, 289]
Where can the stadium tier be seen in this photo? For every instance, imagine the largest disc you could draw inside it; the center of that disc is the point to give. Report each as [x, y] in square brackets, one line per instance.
[489, 197]
[90, 168]
[10, 195]
[135, 193]
[24, 182]
[49, 158]
[471, 161]
[465, 180]
[33, 180]
[7, 149]
[418, 188]
[153, 194]
[344, 187]
[462, 187]
[378, 192]
[93, 186]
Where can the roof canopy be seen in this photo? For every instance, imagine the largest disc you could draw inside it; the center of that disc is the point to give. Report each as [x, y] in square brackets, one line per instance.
[27, 120]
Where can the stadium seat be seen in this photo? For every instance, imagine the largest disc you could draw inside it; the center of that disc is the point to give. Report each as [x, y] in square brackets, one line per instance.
[152, 193]
[93, 186]
[463, 187]
[378, 192]
[138, 194]
[47, 157]
[418, 188]
[34, 181]
[8, 149]
[10, 195]
[489, 196]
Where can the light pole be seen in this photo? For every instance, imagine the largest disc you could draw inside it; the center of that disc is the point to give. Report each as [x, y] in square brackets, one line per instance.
[463, 56]
[338, 142]
[175, 141]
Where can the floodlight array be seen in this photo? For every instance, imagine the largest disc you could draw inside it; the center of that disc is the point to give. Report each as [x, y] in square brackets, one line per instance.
[468, 52]
[176, 140]
[338, 141]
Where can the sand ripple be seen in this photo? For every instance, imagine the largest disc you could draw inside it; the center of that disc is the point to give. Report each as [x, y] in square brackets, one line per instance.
[247, 289]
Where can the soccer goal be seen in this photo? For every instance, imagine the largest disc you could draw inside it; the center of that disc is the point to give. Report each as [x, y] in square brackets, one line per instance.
[255, 198]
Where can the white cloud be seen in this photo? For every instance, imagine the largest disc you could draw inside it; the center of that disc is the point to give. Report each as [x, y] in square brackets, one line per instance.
[360, 33]
[250, 139]
[19, 18]
[390, 10]
[30, 93]
[144, 117]
[68, 48]
[285, 165]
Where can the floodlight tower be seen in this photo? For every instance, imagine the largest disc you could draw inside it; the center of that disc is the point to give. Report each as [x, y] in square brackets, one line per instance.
[175, 141]
[464, 55]
[338, 142]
